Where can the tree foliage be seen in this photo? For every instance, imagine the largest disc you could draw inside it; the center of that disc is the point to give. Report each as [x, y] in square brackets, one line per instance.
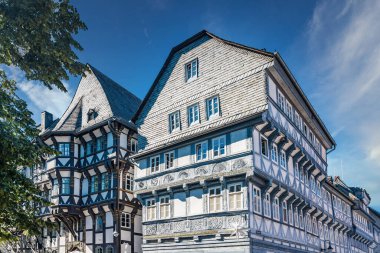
[36, 36]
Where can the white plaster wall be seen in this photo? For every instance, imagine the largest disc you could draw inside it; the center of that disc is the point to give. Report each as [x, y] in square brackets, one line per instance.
[123, 140]
[196, 202]
[109, 219]
[98, 238]
[239, 141]
[76, 186]
[109, 235]
[184, 157]
[179, 204]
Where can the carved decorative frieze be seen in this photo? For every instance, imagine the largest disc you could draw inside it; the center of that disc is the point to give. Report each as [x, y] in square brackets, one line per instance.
[179, 226]
[215, 222]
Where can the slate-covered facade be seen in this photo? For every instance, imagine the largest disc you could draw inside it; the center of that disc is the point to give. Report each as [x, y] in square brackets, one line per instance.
[90, 181]
[233, 158]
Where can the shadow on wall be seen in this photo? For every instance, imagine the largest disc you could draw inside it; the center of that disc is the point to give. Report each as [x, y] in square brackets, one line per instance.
[160, 82]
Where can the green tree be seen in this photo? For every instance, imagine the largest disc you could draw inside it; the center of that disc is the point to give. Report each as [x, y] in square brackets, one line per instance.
[36, 36]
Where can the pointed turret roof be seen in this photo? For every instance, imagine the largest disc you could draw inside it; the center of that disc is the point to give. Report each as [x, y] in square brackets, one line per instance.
[98, 94]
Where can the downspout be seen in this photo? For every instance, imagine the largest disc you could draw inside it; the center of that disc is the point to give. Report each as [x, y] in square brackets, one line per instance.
[117, 211]
[331, 150]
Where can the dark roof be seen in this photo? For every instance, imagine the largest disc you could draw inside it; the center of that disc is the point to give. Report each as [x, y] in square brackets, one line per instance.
[97, 92]
[124, 103]
[184, 44]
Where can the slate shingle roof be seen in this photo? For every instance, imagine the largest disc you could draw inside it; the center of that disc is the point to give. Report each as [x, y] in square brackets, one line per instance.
[101, 94]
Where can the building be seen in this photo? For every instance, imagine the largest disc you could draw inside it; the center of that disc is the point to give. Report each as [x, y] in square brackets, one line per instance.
[90, 182]
[233, 158]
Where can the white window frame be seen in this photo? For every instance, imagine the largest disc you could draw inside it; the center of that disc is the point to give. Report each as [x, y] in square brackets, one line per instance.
[257, 203]
[193, 112]
[215, 109]
[151, 209]
[267, 205]
[134, 144]
[283, 159]
[169, 155]
[174, 121]
[202, 145]
[235, 196]
[274, 153]
[165, 206]
[220, 151]
[127, 220]
[285, 214]
[190, 70]
[156, 168]
[276, 208]
[129, 182]
[218, 197]
[290, 215]
[281, 100]
[265, 154]
[296, 170]
[66, 186]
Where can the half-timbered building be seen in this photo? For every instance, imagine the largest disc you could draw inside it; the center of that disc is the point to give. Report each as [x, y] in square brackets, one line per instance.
[90, 181]
[233, 158]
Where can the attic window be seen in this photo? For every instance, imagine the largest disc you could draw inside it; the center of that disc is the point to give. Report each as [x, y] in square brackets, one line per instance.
[91, 115]
[191, 70]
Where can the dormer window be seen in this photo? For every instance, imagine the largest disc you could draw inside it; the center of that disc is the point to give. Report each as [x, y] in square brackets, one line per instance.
[191, 70]
[91, 115]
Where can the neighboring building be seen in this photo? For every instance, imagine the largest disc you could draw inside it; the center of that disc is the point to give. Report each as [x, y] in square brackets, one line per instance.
[90, 182]
[376, 228]
[233, 158]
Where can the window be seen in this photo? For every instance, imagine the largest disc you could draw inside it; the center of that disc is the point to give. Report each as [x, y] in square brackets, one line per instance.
[267, 205]
[215, 200]
[133, 145]
[99, 223]
[297, 120]
[212, 105]
[296, 170]
[290, 215]
[201, 151]
[125, 220]
[105, 181]
[164, 207]
[65, 185]
[301, 174]
[274, 153]
[305, 129]
[174, 121]
[219, 146]
[94, 184]
[129, 182]
[276, 209]
[55, 187]
[64, 149]
[315, 226]
[283, 159]
[154, 164]
[289, 111]
[101, 143]
[281, 101]
[151, 209]
[91, 114]
[109, 249]
[169, 160]
[89, 147]
[193, 114]
[99, 249]
[235, 197]
[296, 217]
[264, 147]
[256, 200]
[284, 212]
[192, 70]
[301, 220]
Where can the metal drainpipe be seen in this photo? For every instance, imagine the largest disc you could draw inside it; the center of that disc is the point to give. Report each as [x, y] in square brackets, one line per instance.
[117, 211]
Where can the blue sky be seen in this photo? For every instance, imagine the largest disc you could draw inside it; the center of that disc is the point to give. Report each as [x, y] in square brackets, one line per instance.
[332, 48]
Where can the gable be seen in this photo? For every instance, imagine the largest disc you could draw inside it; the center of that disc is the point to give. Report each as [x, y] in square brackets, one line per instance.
[225, 70]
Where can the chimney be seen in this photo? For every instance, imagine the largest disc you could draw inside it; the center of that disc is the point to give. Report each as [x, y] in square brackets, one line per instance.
[46, 120]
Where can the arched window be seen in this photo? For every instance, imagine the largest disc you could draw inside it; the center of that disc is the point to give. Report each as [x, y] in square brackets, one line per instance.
[284, 212]
[99, 249]
[267, 209]
[276, 209]
[109, 249]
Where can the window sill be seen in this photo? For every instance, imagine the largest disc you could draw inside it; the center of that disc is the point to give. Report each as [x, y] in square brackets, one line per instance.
[191, 79]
